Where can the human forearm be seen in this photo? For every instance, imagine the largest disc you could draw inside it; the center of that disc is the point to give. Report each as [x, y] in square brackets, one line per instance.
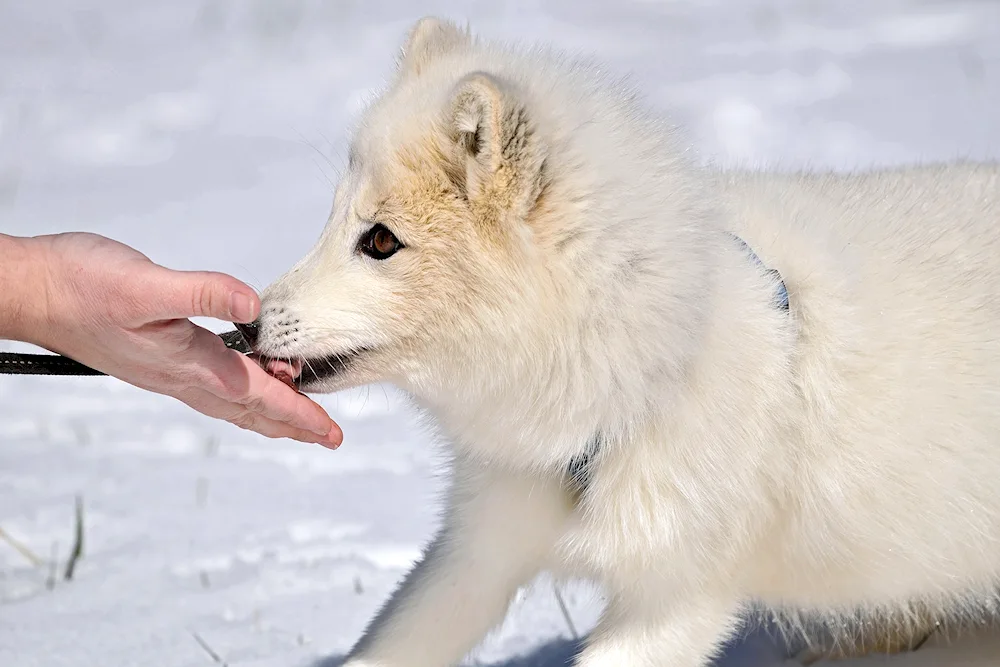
[23, 288]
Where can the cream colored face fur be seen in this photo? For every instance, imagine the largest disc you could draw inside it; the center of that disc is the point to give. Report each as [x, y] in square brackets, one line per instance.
[569, 273]
[454, 179]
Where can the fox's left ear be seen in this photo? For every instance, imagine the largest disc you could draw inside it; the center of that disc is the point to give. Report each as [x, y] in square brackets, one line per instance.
[495, 138]
[429, 38]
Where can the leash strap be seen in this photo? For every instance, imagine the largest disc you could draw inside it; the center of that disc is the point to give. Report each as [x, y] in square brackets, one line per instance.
[13, 363]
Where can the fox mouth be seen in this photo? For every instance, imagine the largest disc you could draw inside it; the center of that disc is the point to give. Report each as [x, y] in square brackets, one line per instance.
[302, 372]
[296, 372]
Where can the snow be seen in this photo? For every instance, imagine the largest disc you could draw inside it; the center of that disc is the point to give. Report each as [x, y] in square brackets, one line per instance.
[206, 134]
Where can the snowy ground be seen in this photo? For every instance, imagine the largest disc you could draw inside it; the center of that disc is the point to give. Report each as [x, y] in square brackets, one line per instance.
[205, 133]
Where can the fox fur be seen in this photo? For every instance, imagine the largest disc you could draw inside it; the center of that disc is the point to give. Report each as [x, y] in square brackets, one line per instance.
[568, 269]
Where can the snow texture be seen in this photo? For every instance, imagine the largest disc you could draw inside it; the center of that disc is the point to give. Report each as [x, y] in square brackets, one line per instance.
[206, 134]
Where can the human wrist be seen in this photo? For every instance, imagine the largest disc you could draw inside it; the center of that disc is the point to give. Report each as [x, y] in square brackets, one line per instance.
[23, 289]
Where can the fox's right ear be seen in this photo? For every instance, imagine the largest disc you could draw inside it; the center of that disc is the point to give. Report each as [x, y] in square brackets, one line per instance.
[429, 38]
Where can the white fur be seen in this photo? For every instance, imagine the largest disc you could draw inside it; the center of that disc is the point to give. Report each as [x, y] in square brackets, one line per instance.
[567, 272]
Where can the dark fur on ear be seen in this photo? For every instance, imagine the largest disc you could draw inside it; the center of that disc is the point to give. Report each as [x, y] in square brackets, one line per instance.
[429, 38]
[504, 156]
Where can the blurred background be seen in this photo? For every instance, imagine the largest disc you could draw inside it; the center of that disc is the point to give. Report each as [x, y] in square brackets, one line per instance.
[208, 134]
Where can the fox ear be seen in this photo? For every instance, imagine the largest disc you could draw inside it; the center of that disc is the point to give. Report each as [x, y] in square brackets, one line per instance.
[429, 38]
[496, 140]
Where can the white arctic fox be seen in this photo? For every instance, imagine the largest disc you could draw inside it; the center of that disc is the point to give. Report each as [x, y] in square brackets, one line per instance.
[708, 391]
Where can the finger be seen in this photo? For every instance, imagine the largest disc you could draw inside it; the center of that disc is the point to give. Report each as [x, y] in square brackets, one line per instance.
[238, 415]
[184, 294]
[235, 378]
[277, 400]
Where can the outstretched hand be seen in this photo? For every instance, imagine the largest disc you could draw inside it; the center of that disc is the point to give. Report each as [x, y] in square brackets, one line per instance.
[108, 306]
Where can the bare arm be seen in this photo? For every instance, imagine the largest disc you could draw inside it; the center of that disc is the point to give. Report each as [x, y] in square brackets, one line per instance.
[21, 265]
[109, 307]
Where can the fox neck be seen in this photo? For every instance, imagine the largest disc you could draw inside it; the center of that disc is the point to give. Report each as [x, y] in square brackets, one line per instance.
[614, 368]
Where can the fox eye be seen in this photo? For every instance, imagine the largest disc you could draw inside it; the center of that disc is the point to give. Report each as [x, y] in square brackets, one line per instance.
[379, 243]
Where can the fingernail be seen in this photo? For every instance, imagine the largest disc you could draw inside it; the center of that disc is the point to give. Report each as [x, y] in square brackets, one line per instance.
[325, 444]
[241, 306]
[334, 438]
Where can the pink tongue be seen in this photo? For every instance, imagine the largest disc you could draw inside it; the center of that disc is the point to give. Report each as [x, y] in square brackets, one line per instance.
[285, 371]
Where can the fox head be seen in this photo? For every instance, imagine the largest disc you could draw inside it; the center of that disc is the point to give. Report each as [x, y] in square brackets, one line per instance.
[469, 244]
[426, 250]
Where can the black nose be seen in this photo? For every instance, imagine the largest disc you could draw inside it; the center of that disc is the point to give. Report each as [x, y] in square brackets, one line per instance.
[249, 331]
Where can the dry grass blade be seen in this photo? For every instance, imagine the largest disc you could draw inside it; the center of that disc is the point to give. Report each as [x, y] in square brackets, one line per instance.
[77, 551]
[565, 612]
[20, 548]
[208, 649]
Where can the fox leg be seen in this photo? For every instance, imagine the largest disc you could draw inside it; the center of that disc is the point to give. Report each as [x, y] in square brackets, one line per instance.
[500, 528]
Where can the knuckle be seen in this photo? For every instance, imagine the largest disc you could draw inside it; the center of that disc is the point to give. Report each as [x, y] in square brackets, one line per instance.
[244, 420]
[255, 403]
[194, 376]
[232, 388]
[201, 299]
[212, 383]
[184, 337]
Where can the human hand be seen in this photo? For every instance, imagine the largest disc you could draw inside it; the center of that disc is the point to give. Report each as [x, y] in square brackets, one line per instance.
[108, 306]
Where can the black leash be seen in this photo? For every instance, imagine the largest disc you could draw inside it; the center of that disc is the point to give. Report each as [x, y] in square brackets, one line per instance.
[13, 363]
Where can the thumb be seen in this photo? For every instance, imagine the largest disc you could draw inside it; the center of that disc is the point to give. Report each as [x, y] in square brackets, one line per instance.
[209, 294]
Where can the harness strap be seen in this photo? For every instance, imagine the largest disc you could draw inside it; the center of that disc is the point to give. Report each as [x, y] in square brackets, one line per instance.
[580, 468]
[781, 295]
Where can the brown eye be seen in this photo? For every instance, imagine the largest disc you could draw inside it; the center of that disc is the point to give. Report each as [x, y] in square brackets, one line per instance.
[379, 243]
